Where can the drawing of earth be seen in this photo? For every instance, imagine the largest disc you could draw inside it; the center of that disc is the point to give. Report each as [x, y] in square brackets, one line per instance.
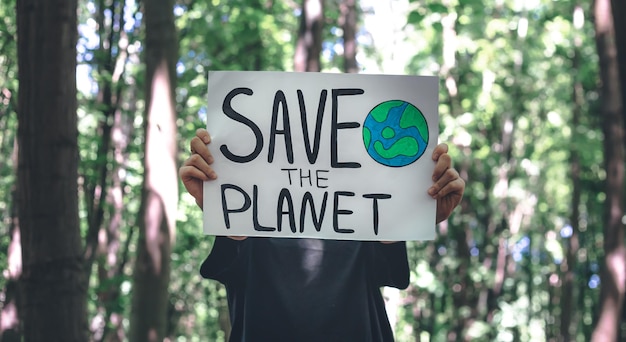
[395, 133]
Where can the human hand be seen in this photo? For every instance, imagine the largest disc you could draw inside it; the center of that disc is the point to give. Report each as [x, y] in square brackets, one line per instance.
[197, 168]
[448, 187]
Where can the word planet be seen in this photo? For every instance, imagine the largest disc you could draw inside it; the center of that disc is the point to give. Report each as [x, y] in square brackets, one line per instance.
[395, 133]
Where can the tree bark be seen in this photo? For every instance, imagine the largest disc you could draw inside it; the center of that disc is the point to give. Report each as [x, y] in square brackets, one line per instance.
[110, 54]
[349, 26]
[10, 315]
[618, 7]
[569, 318]
[103, 190]
[613, 277]
[52, 283]
[309, 45]
[160, 186]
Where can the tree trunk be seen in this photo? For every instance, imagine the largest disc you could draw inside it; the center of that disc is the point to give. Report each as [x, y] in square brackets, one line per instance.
[52, 283]
[618, 8]
[103, 190]
[568, 299]
[309, 46]
[349, 26]
[160, 187]
[112, 260]
[613, 277]
[110, 71]
[10, 316]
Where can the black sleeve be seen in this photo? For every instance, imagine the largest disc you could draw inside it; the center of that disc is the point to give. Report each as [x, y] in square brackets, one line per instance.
[222, 263]
[390, 264]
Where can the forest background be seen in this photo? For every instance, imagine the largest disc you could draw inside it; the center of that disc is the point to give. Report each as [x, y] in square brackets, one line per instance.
[98, 100]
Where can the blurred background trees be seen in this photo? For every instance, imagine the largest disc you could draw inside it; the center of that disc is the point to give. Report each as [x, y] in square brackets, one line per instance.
[531, 103]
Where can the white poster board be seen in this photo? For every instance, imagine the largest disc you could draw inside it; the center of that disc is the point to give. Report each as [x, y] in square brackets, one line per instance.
[329, 156]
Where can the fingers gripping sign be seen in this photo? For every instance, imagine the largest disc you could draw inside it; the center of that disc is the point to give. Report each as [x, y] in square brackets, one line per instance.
[197, 168]
[448, 186]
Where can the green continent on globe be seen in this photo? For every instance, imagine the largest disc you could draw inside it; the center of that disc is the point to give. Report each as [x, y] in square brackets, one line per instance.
[388, 133]
[404, 147]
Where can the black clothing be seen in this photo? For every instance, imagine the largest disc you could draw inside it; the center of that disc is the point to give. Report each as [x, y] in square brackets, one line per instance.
[307, 289]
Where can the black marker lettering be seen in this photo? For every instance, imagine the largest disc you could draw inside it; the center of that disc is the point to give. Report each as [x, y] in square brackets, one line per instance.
[225, 210]
[288, 173]
[376, 197]
[280, 100]
[311, 153]
[255, 212]
[337, 212]
[285, 195]
[318, 178]
[231, 113]
[335, 126]
[317, 220]
[308, 176]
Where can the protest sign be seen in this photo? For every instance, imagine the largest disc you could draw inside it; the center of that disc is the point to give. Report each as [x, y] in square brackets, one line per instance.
[329, 156]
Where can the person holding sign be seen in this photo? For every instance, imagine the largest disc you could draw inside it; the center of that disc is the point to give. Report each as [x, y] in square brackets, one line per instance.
[302, 289]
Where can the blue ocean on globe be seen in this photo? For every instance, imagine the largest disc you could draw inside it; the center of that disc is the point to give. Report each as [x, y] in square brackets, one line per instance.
[395, 133]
